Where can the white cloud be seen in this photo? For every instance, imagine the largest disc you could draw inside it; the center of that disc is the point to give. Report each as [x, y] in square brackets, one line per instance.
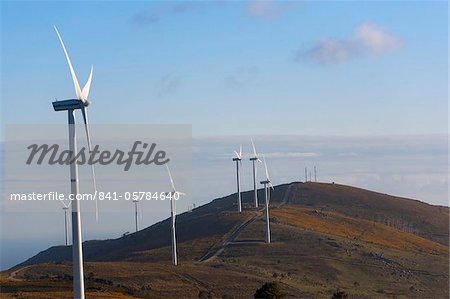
[365, 40]
[331, 51]
[375, 39]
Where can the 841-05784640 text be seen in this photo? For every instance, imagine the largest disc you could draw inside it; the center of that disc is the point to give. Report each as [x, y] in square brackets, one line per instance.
[138, 195]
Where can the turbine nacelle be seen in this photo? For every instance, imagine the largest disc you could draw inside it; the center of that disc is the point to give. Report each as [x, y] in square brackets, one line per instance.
[71, 104]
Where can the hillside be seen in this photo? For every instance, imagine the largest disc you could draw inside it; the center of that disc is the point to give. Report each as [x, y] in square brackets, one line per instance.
[325, 237]
[423, 219]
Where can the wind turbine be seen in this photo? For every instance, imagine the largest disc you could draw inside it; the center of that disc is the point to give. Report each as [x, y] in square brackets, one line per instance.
[267, 186]
[70, 106]
[254, 159]
[315, 174]
[135, 201]
[306, 175]
[173, 216]
[238, 160]
[66, 221]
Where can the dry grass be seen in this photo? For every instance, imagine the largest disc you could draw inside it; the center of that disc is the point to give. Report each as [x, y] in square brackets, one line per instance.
[325, 239]
[356, 229]
[136, 280]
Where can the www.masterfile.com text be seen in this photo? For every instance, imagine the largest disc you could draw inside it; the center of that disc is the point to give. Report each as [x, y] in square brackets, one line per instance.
[98, 195]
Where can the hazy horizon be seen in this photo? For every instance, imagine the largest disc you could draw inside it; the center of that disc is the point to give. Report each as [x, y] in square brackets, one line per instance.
[380, 164]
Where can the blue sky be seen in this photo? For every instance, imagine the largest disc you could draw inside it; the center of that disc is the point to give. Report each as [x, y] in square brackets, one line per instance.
[223, 66]
[359, 89]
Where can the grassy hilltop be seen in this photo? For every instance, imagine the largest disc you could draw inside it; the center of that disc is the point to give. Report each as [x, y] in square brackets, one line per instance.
[326, 237]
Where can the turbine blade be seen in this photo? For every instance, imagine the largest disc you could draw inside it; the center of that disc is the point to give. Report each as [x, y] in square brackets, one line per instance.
[170, 177]
[240, 151]
[236, 154]
[265, 166]
[254, 149]
[88, 137]
[87, 87]
[72, 72]
[181, 193]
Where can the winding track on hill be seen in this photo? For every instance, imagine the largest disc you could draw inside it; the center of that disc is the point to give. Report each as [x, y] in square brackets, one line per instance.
[217, 249]
[13, 274]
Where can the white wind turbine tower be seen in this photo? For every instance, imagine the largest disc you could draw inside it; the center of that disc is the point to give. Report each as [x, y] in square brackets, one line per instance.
[136, 209]
[254, 159]
[267, 186]
[66, 221]
[306, 175]
[238, 160]
[315, 174]
[70, 106]
[174, 193]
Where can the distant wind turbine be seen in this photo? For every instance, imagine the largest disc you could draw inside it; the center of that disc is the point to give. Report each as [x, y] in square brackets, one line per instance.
[238, 160]
[315, 174]
[306, 174]
[267, 186]
[70, 106]
[254, 159]
[136, 209]
[66, 221]
[173, 195]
